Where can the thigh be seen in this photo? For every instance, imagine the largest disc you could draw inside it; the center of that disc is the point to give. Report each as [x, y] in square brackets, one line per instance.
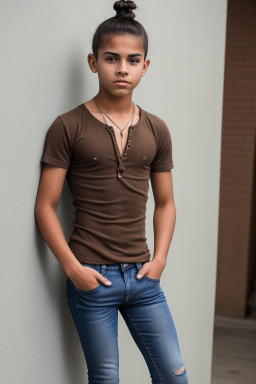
[97, 327]
[151, 324]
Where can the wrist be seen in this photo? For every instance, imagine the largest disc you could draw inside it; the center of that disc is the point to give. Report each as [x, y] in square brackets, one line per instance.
[73, 269]
[159, 259]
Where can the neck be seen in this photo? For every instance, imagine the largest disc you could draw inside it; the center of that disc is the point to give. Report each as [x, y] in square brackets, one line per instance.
[114, 105]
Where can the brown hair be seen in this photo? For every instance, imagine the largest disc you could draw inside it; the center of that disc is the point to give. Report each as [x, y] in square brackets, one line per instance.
[123, 22]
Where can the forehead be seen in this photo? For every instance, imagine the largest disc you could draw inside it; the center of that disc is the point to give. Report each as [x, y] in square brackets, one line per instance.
[122, 44]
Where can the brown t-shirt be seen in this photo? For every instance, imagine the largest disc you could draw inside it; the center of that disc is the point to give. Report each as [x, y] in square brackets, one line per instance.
[109, 193]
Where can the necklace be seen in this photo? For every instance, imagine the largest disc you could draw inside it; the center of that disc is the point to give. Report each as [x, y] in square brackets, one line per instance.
[120, 130]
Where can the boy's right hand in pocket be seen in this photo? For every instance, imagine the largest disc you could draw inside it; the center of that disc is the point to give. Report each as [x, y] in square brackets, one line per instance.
[87, 278]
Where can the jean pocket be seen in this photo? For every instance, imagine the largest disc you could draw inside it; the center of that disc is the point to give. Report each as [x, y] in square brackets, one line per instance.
[88, 290]
[96, 268]
[151, 279]
[140, 265]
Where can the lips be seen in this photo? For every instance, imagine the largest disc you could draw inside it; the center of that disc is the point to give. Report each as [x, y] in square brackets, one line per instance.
[122, 81]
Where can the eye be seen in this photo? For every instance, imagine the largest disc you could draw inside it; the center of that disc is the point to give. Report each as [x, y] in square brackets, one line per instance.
[111, 59]
[135, 61]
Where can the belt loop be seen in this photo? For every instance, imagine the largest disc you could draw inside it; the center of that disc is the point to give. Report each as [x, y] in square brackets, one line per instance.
[139, 266]
[103, 268]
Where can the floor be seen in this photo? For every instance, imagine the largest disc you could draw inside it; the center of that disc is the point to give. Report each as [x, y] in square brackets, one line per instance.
[234, 351]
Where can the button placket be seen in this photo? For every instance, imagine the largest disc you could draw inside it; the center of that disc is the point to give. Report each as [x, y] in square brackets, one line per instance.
[120, 159]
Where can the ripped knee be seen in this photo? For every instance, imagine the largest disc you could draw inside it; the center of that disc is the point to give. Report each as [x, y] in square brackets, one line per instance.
[179, 371]
[180, 374]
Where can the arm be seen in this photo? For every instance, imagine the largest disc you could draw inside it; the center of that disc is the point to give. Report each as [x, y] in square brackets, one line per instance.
[163, 221]
[164, 214]
[48, 195]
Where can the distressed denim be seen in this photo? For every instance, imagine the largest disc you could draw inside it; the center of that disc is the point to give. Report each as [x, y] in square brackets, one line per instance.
[143, 306]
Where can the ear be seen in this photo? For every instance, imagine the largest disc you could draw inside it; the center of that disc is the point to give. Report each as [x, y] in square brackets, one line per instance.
[92, 63]
[145, 67]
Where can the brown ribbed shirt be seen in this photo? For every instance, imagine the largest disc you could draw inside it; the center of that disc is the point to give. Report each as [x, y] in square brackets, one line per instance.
[109, 192]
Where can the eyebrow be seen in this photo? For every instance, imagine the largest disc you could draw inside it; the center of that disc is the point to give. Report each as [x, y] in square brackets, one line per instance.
[116, 54]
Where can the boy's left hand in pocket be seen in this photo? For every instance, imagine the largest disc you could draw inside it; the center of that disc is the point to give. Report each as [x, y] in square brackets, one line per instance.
[153, 269]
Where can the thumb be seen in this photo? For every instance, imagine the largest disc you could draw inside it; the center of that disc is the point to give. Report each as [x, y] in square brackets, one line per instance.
[141, 273]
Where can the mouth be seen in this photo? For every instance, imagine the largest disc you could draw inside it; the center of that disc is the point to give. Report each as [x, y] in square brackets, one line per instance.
[121, 82]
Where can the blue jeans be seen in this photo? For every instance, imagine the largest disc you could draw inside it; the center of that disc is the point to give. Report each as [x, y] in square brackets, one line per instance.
[144, 308]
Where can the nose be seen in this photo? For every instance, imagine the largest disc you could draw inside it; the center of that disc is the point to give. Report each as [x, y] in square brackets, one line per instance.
[122, 68]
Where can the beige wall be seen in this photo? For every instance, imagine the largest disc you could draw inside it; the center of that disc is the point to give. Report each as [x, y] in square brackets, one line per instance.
[44, 46]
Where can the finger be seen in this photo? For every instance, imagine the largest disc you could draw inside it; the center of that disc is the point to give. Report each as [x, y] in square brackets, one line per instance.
[103, 279]
[106, 281]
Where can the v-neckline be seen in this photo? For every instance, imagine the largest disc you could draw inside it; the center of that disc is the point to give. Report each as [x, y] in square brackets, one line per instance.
[141, 114]
[110, 129]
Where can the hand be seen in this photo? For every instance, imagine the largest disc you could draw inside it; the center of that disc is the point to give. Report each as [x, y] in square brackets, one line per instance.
[87, 278]
[153, 269]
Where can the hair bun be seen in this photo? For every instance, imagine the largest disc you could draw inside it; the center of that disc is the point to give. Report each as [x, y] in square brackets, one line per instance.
[124, 9]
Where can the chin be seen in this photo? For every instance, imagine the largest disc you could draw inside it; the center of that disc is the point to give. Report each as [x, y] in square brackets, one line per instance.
[121, 92]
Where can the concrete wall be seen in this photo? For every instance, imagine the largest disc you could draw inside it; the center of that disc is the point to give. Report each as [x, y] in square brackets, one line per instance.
[44, 45]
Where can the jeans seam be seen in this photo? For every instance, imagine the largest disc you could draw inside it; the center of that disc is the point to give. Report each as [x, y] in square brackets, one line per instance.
[145, 348]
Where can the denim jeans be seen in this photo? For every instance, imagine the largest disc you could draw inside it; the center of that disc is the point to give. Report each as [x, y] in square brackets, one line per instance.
[143, 306]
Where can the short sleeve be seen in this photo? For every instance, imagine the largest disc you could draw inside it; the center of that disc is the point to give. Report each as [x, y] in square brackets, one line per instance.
[163, 160]
[57, 147]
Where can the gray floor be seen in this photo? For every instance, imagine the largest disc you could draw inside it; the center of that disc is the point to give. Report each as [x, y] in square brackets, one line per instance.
[234, 351]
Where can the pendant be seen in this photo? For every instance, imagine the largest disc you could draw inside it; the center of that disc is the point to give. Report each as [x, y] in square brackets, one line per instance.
[121, 134]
